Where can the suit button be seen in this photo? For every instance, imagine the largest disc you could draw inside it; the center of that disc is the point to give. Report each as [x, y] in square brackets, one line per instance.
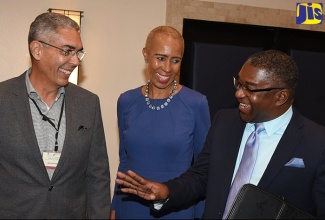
[50, 188]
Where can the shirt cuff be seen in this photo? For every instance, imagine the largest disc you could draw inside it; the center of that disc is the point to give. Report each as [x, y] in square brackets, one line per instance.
[157, 205]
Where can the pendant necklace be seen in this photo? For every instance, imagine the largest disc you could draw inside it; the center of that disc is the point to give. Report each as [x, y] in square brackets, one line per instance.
[169, 99]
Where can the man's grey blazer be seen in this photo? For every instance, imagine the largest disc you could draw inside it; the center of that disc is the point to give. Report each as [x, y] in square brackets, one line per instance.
[80, 186]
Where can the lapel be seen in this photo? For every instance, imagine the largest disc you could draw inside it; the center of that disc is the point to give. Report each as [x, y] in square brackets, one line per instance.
[237, 131]
[72, 123]
[283, 153]
[229, 154]
[20, 102]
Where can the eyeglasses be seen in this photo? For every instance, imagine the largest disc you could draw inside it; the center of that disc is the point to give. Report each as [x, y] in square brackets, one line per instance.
[238, 85]
[68, 52]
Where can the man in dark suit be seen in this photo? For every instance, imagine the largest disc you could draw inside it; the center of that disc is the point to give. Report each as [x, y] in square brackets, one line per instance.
[53, 160]
[291, 155]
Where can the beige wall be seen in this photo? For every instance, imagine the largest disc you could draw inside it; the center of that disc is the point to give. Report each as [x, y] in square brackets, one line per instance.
[275, 4]
[256, 14]
[113, 33]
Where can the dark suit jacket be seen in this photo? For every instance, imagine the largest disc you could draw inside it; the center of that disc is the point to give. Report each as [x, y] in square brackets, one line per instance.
[80, 186]
[212, 173]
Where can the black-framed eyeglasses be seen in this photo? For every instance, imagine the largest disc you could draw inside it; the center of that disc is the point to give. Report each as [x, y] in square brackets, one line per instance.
[238, 85]
[68, 52]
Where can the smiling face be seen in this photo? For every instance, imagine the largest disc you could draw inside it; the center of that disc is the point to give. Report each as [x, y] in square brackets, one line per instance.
[56, 67]
[50, 37]
[51, 68]
[163, 57]
[264, 105]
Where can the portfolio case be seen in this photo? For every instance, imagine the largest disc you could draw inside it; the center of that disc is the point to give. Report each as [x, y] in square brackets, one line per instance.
[253, 203]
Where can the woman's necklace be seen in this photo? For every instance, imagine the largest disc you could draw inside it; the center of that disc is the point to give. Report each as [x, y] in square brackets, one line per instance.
[169, 99]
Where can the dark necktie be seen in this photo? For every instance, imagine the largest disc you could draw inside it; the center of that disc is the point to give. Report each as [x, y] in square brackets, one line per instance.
[246, 166]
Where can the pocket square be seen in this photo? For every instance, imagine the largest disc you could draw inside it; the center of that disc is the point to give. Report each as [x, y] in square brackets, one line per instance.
[296, 162]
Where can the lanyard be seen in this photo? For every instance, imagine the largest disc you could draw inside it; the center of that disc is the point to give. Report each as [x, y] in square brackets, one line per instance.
[45, 118]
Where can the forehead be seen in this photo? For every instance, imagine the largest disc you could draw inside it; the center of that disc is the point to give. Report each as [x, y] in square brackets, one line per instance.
[165, 43]
[252, 74]
[68, 37]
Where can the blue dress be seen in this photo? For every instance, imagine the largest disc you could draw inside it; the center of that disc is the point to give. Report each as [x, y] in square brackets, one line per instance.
[159, 145]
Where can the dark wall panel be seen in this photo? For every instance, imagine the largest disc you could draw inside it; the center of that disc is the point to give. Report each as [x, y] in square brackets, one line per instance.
[310, 94]
[214, 66]
[215, 52]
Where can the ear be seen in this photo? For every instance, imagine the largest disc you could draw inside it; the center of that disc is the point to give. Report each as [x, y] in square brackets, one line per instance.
[36, 49]
[145, 55]
[282, 97]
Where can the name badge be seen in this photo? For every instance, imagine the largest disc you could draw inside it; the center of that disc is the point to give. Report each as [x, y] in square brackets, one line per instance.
[51, 159]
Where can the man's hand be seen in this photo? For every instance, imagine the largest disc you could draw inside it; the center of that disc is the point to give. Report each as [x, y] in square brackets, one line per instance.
[144, 188]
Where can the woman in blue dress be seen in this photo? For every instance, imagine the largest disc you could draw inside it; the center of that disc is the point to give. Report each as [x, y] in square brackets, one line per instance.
[162, 126]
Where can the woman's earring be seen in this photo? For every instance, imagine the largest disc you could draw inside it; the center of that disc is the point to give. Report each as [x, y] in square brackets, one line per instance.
[146, 61]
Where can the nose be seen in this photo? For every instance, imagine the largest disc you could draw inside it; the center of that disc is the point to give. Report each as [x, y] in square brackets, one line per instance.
[74, 59]
[167, 66]
[239, 92]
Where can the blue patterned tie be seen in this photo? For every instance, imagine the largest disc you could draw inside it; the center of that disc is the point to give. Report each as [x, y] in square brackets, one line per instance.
[246, 166]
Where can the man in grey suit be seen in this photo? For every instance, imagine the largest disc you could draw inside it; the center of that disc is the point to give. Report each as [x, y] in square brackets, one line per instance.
[53, 160]
[291, 155]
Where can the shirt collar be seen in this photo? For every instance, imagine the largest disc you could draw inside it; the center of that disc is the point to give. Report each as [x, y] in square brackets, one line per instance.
[274, 125]
[31, 90]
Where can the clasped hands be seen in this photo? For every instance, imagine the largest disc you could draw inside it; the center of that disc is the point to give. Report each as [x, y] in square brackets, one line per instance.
[135, 184]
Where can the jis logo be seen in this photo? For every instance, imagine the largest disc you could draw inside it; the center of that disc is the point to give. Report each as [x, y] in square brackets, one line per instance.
[309, 13]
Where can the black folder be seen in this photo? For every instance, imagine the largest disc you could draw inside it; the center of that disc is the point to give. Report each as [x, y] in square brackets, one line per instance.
[253, 203]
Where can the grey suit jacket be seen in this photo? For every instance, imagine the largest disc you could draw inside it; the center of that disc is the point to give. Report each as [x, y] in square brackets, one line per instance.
[80, 186]
[212, 172]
